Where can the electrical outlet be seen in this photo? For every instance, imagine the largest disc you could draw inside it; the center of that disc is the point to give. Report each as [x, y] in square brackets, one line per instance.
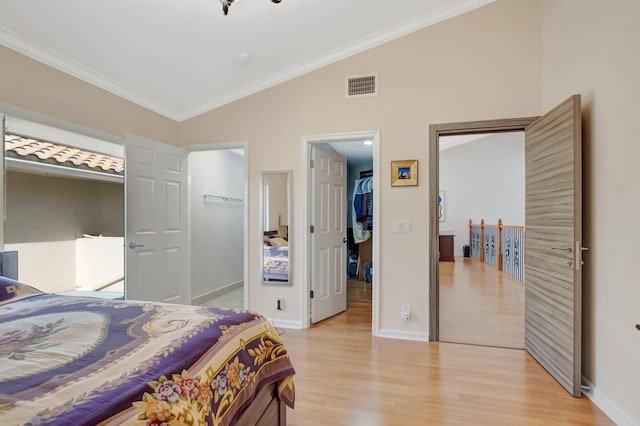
[405, 312]
[280, 305]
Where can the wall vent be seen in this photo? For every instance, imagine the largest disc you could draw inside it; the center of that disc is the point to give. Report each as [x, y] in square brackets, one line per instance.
[362, 85]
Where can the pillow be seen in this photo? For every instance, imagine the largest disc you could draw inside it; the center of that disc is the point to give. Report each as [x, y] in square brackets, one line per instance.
[8, 288]
[279, 242]
[12, 289]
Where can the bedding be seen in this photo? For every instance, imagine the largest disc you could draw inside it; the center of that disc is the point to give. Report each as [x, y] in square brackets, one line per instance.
[276, 263]
[85, 361]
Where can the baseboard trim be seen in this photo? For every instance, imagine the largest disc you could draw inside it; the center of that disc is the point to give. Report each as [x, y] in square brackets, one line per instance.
[403, 335]
[614, 412]
[294, 325]
[204, 298]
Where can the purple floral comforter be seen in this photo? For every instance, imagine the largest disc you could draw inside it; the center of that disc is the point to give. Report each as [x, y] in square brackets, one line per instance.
[84, 361]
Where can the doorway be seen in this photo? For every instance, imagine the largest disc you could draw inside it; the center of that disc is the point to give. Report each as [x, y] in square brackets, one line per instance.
[436, 131]
[553, 243]
[481, 237]
[218, 222]
[358, 265]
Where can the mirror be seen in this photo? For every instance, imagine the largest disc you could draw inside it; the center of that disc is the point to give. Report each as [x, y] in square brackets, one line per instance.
[275, 195]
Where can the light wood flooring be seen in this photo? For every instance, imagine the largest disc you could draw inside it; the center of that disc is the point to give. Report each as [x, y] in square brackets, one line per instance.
[344, 376]
[480, 305]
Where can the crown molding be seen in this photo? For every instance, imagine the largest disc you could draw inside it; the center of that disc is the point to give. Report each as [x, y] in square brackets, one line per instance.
[45, 55]
[420, 22]
[36, 51]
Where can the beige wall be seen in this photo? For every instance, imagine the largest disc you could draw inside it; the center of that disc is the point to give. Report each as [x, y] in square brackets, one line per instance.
[38, 88]
[44, 216]
[482, 65]
[591, 48]
[507, 59]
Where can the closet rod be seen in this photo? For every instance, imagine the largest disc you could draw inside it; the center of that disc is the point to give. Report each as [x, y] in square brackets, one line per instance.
[223, 198]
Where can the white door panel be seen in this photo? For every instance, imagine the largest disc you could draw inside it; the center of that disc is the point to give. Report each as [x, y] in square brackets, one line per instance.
[156, 222]
[328, 247]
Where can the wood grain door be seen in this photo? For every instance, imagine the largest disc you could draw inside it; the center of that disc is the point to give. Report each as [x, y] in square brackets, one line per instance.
[553, 243]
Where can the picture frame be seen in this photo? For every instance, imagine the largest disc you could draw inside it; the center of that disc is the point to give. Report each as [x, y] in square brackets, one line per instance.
[404, 173]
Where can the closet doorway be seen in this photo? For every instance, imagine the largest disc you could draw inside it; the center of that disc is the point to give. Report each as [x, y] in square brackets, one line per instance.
[217, 212]
[341, 170]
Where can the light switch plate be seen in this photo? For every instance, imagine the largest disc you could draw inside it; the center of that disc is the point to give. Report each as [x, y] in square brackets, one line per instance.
[401, 226]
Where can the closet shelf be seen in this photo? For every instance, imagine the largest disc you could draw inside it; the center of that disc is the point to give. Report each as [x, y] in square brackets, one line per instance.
[223, 198]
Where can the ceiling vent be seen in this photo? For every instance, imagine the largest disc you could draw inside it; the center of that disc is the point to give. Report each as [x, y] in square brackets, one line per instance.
[362, 85]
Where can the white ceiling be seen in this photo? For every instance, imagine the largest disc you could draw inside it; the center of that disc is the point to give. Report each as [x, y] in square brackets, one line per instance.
[181, 58]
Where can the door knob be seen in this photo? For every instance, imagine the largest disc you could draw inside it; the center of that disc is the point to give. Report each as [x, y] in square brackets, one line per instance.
[344, 239]
[133, 245]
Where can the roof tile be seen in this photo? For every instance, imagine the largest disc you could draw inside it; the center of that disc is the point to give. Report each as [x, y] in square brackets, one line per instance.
[17, 146]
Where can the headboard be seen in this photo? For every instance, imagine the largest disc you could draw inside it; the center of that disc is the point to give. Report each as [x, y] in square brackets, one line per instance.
[9, 264]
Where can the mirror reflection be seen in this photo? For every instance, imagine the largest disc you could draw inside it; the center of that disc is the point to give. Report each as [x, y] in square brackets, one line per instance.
[276, 203]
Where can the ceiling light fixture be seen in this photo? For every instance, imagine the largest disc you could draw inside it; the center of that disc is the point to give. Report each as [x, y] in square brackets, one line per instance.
[368, 142]
[227, 3]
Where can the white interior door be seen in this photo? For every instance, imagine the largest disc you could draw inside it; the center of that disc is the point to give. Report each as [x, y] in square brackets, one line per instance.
[156, 223]
[329, 236]
[553, 251]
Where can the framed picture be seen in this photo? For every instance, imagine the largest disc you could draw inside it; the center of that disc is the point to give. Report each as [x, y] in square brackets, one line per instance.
[404, 173]
[441, 207]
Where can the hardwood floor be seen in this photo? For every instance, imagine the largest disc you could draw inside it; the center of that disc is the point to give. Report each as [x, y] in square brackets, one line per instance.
[480, 305]
[344, 376]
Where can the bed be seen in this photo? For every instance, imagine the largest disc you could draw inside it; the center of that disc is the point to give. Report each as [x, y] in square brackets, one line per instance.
[276, 259]
[84, 361]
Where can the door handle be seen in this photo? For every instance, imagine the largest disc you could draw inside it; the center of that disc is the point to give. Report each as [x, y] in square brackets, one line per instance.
[567, 249]
[344, 239]
[133, 245]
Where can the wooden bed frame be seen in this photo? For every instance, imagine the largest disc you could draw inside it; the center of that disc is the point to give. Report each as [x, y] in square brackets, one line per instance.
[266, 409]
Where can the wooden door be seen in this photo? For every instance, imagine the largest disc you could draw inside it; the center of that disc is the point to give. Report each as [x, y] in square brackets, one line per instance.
[156, 225]
[329, 236]
[553, 243]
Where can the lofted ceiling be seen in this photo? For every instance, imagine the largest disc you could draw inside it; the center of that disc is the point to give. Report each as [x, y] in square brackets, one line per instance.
[181, 58]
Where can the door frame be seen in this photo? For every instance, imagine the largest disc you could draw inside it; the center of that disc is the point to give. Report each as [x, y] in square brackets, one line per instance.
[222, 146]
[451, 129]
[305, 215]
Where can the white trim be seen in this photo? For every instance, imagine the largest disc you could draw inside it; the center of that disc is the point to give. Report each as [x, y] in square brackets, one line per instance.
[451, 10]
[404, 335]
[614, 412]
[17, 164]
[303, 227]
[40, 53]
[215, 146]
[45, 55]
[294, 325]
